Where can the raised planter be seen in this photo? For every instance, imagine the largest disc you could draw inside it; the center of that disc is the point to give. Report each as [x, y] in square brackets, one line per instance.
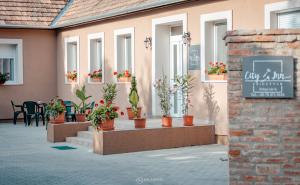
[60, 119]
[59, 132]
[124, 141]
[124, 79]
[96, 79]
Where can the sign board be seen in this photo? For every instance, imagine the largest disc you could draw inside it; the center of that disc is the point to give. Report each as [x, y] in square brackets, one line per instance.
[268, 77]
[194, 57]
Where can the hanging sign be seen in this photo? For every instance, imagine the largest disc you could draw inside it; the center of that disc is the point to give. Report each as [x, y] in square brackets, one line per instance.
[268, 77]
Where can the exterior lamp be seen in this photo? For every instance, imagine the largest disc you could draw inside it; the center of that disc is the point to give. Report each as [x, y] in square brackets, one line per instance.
[186, 38]
[148, 42]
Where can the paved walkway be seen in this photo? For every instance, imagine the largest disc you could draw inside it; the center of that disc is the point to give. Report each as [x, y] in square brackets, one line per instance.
[27, 159]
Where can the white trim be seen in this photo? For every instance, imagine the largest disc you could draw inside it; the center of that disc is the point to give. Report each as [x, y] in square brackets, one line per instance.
[164, 20]
[118, 32]
[92, 36]
[272, 9]
[207, 18]
[17, 63]
[68, 40]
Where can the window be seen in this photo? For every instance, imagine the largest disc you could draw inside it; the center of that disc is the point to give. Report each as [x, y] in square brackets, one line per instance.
[11, 60]
[71, 60]
[124, 51]
[283, 14]
[96, 58]
[213, 48]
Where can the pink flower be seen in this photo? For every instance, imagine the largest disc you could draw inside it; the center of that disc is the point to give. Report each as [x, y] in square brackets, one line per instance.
[96, 105]
[101, 101]
[122, 113]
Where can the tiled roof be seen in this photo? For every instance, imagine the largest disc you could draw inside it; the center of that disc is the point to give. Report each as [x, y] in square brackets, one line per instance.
[39, 13]
[80, 11]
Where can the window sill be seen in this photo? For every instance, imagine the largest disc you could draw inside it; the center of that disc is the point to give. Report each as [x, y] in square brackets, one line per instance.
[11, 84]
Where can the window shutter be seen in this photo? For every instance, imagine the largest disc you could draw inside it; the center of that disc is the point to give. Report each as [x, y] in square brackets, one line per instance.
[289, 19]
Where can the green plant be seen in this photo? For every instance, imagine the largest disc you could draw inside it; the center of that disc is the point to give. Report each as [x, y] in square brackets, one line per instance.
[96, 74]
[109, 92]
[82, 106]
[185, 85]
[164, 93]
[54, 108]
[134, 97]
[126, 73]
[217, 68]
[102, 113]
[4, 77]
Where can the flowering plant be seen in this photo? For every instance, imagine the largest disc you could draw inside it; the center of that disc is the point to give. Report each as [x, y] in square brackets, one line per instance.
[217, 68]
[72, 75]
[96, 74]
[54, 108]
[126, 73]
[4, 77]
[164, 93]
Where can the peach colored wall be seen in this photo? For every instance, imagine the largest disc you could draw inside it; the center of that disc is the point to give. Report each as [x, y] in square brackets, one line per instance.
[247, 14]
[39, 61]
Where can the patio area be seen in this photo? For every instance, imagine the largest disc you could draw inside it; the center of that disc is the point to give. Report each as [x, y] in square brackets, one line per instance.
[27, 158]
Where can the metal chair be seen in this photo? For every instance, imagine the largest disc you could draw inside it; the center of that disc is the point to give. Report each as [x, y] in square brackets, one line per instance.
[70, 114]
[32, 109]
[18, 112]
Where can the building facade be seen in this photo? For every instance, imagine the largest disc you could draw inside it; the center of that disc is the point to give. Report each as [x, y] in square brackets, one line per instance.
[110, 36]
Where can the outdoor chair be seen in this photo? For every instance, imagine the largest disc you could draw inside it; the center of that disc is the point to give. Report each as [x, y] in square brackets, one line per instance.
[18, 112]
[70, 113]
[32, 110]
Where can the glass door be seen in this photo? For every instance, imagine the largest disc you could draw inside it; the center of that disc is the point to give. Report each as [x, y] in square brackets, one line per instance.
[176, 69]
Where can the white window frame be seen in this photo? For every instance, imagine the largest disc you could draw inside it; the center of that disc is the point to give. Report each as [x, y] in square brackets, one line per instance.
[68, 40]
[93, 36]
[271, 10]
[216, 16]
[18, 64]
[117, 33]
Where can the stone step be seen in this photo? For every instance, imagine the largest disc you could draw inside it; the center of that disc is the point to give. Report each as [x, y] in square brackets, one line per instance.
[88, 143]
[85, 134]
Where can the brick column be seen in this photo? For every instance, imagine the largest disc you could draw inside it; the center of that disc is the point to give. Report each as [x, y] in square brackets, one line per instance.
[264, 133]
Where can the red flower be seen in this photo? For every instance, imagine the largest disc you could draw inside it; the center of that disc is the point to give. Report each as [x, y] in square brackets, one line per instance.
[89, 112]
[96, 105]
[122, 113]
[89, 74]
[115, 73]
[101, 101]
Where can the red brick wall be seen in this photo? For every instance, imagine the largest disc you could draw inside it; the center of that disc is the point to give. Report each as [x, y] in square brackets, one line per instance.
[264, 133]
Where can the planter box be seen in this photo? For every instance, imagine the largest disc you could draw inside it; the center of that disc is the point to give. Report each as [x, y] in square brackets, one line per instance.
[217, 77]
[124, 79]
[124, 141]
[59, 132]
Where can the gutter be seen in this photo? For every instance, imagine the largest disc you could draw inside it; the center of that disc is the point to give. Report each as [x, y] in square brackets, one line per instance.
[20, 26]
[118, 13]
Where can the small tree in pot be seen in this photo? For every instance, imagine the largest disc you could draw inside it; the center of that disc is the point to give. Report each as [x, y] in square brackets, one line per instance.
[55, 110]
[164, 93]
[134, 111]
[185, 85]
[81, 108]
[3, 78]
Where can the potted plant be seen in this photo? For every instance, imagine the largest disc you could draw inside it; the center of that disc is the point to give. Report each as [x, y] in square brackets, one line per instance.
[185, 85]
[72, 76]
[124, 76]
[96, 76]
[3, 78]
[164, 93]
[103, 116]
[81, 108]
[134, 111]
[55, 110]
[217, 71]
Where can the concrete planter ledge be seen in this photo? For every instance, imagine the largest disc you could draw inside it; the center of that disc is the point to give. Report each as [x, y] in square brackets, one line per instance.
[124, 141]
[59, 132]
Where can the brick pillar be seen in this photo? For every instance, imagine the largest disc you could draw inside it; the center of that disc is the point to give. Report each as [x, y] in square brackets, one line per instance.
[264, 133]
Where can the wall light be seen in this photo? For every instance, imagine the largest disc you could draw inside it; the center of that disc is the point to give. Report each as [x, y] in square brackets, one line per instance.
[186, 38]
[148, 42]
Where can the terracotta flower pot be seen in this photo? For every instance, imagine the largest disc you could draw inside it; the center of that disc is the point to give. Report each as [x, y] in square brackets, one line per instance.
[217, 77]
[96, 79]
[107, 125]
[130, 113]
[58, 120]
[124, 79]
[167, 121]
[188, 120]
[140, 122]
[80, 117]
